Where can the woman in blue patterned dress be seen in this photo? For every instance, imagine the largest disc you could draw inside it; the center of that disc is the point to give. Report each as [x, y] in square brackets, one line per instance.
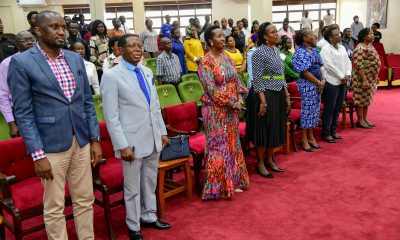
[225, 167]
[308, 62]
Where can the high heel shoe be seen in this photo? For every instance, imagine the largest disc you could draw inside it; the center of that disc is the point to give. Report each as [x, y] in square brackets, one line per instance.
[277, 169]
[306, 149]
[329, 140]
[359, 125]
[316, 146]
[266, 175]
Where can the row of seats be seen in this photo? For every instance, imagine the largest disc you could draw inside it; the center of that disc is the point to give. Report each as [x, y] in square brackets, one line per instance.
[389, 73]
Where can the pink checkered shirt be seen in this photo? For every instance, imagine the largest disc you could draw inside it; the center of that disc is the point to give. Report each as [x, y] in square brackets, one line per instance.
[65, 78]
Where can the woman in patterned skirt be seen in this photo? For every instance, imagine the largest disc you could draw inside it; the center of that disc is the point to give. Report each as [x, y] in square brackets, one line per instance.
[365, 76]
[308, 62]
[268, 100]
[225, 167]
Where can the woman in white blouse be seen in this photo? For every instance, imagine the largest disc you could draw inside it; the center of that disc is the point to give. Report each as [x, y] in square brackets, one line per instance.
[337, 72]
[90, 67]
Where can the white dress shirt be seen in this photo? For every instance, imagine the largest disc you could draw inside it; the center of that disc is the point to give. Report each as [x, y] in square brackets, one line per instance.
[337, 64]
[322, 43]
[92, 76]
[246, 34]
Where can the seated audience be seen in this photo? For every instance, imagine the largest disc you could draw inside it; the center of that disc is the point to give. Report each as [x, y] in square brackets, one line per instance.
[234, 54]
[25, 40]
[377, 34]
[148, 38]
[90, 67]
[168, 66]
[116, 31]
[337, 72]
[290, 74]
[193, 51]
[98, 45]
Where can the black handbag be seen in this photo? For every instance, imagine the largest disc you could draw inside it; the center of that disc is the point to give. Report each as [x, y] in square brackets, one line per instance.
[177, 148]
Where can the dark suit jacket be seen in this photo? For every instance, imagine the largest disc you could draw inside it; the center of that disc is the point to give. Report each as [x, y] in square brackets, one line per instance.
[45, 117]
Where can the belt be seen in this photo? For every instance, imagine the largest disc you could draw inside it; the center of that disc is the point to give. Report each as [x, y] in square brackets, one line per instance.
[272, 77]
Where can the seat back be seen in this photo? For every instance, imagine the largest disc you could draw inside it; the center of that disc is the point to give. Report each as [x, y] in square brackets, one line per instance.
[295, 95]
[245, 79]
[98, 107]
[191, 91]
[190, 77]
[383, 71]
[4, 129]
[106, 144]
[14, 160]
[393, 61]
[152, 64]
[167, 95]
[182, 117]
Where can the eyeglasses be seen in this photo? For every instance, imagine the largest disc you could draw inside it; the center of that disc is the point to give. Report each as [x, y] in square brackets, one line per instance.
[133, 46]
[56, 27]
[24, 40]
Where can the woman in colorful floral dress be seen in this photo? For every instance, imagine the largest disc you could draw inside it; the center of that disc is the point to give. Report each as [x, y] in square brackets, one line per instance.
[225, 167]
[307, 62]
[365, 76]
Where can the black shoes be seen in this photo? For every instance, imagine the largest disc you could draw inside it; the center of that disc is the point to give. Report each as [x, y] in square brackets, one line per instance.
[363, 126]
[276, 169]
[335, 136]
[133, 235]
[329, 140]
[306, 149]
[157, 225]
[316, 146]
[266, 175]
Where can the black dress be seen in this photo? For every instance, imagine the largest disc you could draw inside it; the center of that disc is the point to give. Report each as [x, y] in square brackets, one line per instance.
[268, 77]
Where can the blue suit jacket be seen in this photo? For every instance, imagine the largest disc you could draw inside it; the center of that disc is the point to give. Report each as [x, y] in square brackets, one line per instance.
[45, 117]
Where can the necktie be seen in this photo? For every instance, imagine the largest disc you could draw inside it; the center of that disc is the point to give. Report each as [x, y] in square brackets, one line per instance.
[142, 84]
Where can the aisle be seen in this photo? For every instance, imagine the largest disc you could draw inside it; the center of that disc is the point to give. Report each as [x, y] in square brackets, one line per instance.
[348, 190]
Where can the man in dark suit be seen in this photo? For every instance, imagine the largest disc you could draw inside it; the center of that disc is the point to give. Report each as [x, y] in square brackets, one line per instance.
[55, 114]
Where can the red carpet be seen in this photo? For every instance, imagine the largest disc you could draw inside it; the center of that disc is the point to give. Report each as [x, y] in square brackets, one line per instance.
[347, 190]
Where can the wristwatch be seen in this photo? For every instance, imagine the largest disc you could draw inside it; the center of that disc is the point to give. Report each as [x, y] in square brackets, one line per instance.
[95, 139]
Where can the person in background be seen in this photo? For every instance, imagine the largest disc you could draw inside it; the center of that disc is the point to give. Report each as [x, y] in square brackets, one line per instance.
[57, 120]
[7, 45]
[328, 18]
[286, 45]
[166, 27]
[188, 29]
[31, 20]
[67, 20]
[216, 23]
[268, 100]
[198, 26]
[305, 21]
[235, 55]
[322, 42]
[230, 22]
[225, 170]
[138, 134]
[246, 31]
[87, 28]
[89, 67]
[108, 62]
[149, 38]
[168, 66]
[175, 24]
[74, 36]
[337, 72]
[238, 36]
[254, 32]
[307, 62]
[25, 40]
[83, 27]
[287, 30]
[318, 31]
[206, 24]
[178, 49]
[377, 34]
[125, 28]
[356, 27]
[251, 49]
[348, 42]
[116, 31]
[193, 51]
[366, 64]
[224, 26]
[98, 45]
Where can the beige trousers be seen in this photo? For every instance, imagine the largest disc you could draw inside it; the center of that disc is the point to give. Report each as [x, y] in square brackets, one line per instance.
[73, 166]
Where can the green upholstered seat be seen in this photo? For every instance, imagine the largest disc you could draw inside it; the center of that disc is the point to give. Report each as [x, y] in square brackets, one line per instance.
[190, 77]
[99, 107]
[191, 91]
[168, 95]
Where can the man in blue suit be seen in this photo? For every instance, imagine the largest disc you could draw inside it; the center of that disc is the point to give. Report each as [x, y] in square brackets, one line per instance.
[55, 114]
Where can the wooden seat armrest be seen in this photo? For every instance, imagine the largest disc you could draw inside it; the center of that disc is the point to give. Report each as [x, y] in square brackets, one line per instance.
[96, 170]
[180, 131]
[5, 184]
[7, 179]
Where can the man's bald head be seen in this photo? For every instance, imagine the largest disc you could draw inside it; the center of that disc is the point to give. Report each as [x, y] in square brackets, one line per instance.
[24, 40]
[44, 16]
[167, 44]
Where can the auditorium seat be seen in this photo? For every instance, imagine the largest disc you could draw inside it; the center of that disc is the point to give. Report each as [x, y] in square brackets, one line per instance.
[167, 95]
[97, 100]
[183, 119]
[4, 129]
[190, 77]
[152, 64]
[108, 178]
[191, 91]
[21, 189]
[394, 66]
